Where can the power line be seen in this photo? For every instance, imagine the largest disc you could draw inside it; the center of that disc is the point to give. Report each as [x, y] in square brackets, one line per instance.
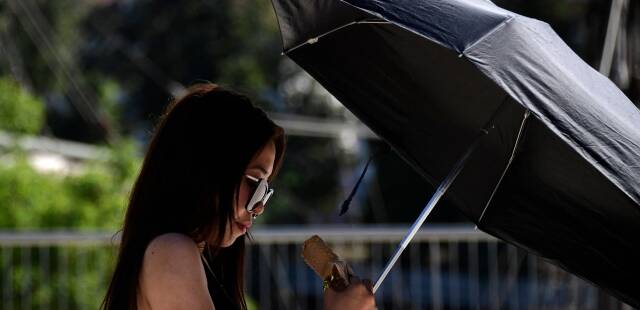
[35, 29]
[147, 66]
[14, 59]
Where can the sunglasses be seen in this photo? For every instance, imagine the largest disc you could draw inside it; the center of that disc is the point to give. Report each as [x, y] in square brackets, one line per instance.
[261, 194]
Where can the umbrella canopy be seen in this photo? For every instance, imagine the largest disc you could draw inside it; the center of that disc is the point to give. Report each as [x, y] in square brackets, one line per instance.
[428, 75]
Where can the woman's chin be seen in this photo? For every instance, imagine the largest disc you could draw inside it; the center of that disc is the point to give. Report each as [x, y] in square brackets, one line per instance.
[229, 242]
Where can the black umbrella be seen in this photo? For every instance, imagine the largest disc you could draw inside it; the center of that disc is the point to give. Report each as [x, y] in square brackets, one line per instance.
[438, 79]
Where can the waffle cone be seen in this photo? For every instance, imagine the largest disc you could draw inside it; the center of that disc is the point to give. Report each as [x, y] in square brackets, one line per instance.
[326, 264]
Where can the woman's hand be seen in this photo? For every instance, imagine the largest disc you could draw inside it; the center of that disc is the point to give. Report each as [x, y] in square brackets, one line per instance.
[357, 295]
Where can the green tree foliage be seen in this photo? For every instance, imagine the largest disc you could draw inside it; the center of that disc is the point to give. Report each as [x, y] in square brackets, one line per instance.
[152, 48]
[20, 111]
[40, 40]
[94, 198]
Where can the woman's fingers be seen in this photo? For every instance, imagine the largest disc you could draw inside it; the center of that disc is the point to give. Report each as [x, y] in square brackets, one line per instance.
[355, 280]
[356, 296]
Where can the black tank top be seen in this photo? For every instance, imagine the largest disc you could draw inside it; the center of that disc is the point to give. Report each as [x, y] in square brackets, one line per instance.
[221, 298]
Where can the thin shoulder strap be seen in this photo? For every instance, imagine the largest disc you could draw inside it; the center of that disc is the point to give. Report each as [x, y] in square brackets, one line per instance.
[229, 300]
[206, 263]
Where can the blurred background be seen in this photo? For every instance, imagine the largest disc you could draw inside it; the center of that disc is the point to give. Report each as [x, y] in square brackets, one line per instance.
[83, 82]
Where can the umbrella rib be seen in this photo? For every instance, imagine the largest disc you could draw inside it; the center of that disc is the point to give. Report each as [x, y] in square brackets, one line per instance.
[506, 168]
[316, 38]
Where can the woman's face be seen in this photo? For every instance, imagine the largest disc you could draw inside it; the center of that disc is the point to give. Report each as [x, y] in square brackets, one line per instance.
[260, 167]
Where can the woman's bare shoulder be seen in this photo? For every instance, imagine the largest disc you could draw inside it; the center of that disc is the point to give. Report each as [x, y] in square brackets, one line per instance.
[172, 275]
[172, 243]
[172, 250]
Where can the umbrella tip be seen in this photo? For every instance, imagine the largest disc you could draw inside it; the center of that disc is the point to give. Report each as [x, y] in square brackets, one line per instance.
[345, 207]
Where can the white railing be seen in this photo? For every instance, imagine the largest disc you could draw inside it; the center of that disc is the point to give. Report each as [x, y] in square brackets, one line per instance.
[445, 267]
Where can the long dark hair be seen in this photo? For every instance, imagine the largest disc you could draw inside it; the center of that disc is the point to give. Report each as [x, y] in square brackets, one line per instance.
[189, 182]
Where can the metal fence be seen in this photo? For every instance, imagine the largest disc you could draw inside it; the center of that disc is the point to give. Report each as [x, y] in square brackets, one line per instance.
[448, 267]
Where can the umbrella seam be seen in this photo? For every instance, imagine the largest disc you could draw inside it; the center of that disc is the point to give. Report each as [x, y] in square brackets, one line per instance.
[486, 35]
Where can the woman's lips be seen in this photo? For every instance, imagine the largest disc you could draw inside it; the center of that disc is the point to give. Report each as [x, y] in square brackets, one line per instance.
[243, 226]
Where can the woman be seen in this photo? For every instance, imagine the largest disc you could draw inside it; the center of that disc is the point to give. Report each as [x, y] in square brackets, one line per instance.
[204, 179]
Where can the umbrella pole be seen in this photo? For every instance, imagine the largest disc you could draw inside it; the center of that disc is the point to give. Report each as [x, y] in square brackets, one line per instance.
[442, 188]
